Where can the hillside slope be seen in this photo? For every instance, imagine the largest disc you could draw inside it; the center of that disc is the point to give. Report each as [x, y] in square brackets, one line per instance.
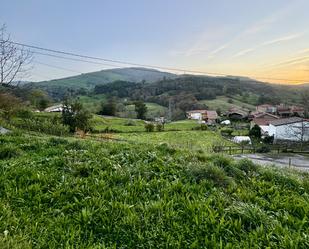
[57, 193]
[89, 80]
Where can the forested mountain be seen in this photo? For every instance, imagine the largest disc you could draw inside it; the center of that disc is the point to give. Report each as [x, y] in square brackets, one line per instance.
[186, 91]
[162, 88]
[85, 82]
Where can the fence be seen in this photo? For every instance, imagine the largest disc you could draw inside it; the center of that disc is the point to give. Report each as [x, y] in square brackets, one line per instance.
[297, 149]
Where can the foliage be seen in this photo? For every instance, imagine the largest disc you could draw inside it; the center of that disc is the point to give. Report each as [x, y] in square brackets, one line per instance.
[226, 131]
[149, 127]
[140, 109]
[59, 195]
[52, 126]
[202, 127]
[75, 116]
[9, 104]
[159, 127]
[255, 132]
[108, 107]
[268, 139]
[263, 149]
[39, 99]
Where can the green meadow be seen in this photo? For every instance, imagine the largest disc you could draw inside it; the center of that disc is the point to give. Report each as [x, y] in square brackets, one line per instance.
[73, 193]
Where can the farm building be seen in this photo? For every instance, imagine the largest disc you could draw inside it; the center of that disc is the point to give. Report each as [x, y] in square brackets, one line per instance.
[237, 114]
[196, 114]
[263, 120]
[266, 108]
[55, 108]
[289, 129]
[210, 117]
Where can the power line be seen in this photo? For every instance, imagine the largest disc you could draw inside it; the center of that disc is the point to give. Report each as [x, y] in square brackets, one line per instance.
[145, 65]
[57, 67]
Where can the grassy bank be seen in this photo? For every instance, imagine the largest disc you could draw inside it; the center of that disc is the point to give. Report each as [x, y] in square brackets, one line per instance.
[56, 193]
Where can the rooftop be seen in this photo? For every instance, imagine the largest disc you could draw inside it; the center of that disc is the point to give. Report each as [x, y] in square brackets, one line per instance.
[285, 121]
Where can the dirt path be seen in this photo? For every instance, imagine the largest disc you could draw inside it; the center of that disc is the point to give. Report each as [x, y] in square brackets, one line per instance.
[297, 161]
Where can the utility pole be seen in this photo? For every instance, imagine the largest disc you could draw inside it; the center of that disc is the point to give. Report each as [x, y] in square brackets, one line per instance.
[170, 109]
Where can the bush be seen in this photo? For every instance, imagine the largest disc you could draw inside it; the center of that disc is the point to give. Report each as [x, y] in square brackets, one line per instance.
[149, 127]
[202, 127]
[48, 126]
[268, 139]
[263, 149]
[7, 152]
[57, 141]
[255, 132]
[159, 127]
[246, 165]
[210, 172]
[226, 132]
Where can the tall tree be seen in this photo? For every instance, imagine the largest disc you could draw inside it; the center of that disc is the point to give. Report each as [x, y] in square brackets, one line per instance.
[140, 109]
[75, 116]
[14, 59]
[108, 108]
[9, 104]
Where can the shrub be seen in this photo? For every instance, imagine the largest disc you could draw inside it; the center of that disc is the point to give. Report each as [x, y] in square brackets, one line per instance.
[159, 127]
[263, 149]
[268, 139]
[57, 141]
[48, 126]
[246, 165]
[7, 152]
[202, 127]
[210, 172]
[149, 127]
[255, 132]
[226, 132]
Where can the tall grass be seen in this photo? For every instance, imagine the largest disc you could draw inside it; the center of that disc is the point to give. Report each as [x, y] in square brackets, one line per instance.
[58, 193]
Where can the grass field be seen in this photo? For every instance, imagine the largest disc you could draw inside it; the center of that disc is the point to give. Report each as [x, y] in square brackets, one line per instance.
[60, 193]
[92, 103]
[153, 110]
[189, 140]
[118, 124]
[135, 125]
[223, 104]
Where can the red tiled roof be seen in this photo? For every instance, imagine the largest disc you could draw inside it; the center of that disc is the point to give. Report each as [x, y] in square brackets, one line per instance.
[212, 115]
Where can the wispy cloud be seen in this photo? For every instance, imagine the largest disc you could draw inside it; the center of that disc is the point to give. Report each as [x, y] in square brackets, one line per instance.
[269, 43]
[282, 39]
[219, 49]
[289, 62]
[243, 52]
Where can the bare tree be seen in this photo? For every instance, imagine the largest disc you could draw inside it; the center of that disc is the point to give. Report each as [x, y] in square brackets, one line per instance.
[299, 131]
[15, 60]
[305, 101]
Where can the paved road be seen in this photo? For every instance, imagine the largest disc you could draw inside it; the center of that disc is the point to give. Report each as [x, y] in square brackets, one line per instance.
[297, 161]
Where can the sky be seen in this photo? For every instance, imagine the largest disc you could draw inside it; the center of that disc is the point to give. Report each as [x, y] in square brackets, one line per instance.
[265, 39]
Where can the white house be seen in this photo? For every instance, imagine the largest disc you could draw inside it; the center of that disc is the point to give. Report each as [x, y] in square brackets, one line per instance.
[196, 114]
[289, 129]
[55, 108]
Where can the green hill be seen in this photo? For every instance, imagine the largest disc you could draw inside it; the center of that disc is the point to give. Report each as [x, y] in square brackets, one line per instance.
[87, 81]
[224, 104]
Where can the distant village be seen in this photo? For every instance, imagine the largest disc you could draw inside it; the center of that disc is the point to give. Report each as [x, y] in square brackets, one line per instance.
[282, 122]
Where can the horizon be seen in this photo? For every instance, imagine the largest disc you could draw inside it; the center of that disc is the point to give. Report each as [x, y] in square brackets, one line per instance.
[259, 40]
